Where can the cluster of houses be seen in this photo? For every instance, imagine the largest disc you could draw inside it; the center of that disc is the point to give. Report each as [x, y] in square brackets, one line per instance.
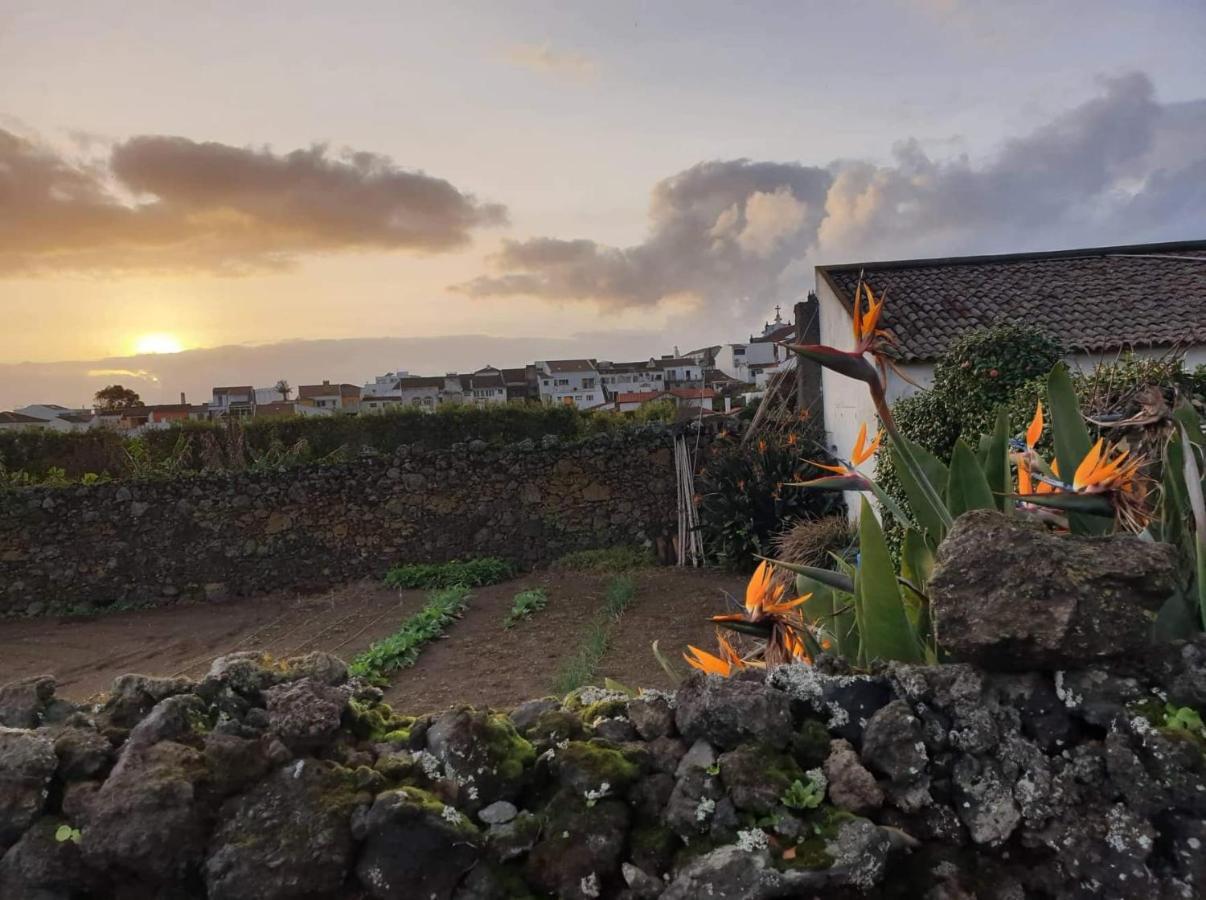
[1149, 299]
[701, 382]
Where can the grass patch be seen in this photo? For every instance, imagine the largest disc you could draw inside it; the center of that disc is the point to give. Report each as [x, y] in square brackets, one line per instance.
[582, 667]
[525, 604]
[401, 648]
[611, 559]
[468, 573]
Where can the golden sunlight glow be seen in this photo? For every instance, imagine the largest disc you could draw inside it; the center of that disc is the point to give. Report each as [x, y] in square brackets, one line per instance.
[157, 343]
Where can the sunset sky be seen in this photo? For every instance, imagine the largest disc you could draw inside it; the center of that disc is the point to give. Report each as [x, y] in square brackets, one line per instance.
[499, 181]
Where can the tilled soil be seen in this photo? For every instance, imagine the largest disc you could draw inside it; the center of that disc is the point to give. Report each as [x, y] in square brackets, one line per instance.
[476, 662]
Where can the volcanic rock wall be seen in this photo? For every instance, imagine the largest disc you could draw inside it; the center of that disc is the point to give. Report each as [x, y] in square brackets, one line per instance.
[313, 526]
[274, 780]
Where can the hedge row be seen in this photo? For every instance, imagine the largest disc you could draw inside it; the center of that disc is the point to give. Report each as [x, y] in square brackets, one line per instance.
[198, 445]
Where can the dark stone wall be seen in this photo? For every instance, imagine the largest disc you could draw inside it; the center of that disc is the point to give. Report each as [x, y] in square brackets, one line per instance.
[312, 527]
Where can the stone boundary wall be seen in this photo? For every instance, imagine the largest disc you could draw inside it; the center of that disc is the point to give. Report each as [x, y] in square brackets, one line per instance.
[308, 528]
[279, 779]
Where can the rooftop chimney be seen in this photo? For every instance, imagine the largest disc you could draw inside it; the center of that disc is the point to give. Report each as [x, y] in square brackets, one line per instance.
[182, 400]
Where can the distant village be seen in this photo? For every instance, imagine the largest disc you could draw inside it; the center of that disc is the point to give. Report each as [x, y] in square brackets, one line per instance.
[710, 380]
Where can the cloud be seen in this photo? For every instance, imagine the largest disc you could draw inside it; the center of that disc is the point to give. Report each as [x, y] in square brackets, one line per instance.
[717, 229]
[1120, 167]
[544, 59]
[163, 204]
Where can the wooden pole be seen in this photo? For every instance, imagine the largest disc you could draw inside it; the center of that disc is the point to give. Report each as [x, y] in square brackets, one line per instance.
[801, 311]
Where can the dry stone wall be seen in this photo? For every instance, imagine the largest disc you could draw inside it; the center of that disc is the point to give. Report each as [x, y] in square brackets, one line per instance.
[86, 547]
[280, 779]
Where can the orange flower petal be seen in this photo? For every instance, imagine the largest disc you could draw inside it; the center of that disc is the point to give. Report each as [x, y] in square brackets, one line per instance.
[1035, 431]
[1087, 466]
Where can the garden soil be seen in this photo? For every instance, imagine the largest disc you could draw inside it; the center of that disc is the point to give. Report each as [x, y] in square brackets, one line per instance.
[477, 661]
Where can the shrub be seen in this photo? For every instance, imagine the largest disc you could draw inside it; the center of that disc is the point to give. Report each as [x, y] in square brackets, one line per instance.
[612, 559]
[810, 542]
[401, 649]
[291, 440]
[745, 493]
[524, 604]
[580, 668]
[467, 573]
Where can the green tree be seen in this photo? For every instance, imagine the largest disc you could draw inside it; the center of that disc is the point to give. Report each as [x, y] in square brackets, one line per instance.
[116, 396]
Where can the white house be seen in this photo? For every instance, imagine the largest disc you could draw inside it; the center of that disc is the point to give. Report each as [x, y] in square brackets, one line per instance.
[232, 401]
[58, 418]
[485, 387]
[573, 382]
[745, 360]
[630, 377]
[15, 421]
[382, 385]
[1148, 298]
[419, 391]
[336, 397]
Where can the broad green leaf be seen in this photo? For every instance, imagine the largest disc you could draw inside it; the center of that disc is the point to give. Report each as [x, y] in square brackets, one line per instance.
[995, 463]
[883, 624]
[889, 505]
[928, 517]
[916, 566]
[1186, 415]
[967, 487]
[1197, 504]
[1072, 441]
[1177, 618]
[839, 580]
[934, 468]
[831, 611]
[1093, 505]
[1174, 504]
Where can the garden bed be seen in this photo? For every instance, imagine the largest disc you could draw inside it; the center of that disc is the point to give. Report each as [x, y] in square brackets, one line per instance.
[478, 660]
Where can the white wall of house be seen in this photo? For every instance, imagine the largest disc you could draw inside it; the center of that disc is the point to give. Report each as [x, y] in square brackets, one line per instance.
[683, 372]
[491, 396]
[427, 397]
[735, 359]
[582, 388]
[632, 381]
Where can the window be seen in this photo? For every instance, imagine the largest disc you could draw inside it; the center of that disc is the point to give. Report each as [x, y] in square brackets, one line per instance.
[588, 382]
[561, 382]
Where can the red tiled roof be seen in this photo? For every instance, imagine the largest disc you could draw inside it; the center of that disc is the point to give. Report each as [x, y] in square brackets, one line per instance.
[1093, 300]
[420, 381]
[570, 365]
[639, 396]
[310, 391]
[692, 393]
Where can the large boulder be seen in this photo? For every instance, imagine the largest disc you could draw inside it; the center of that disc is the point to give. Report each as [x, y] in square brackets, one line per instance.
[482, 752]
[305, 714]
[41, 866]
[27, 763]
[149, 821]
[1007, 594]
[727, 711]
[287, 837]
[22, 702]
[415, 846]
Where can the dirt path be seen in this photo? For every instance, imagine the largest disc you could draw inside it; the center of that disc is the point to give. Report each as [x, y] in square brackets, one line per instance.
[86, 654]
[477, 661]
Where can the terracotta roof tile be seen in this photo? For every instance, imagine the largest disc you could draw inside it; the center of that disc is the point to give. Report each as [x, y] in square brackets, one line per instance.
[1096, 300]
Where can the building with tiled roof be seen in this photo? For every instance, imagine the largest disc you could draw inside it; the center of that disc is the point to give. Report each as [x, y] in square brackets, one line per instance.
[572, 382]
[1149, 298]
[15, 421]
[336, 397]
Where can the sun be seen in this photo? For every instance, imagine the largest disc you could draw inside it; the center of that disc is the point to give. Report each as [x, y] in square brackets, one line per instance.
[158, 343]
